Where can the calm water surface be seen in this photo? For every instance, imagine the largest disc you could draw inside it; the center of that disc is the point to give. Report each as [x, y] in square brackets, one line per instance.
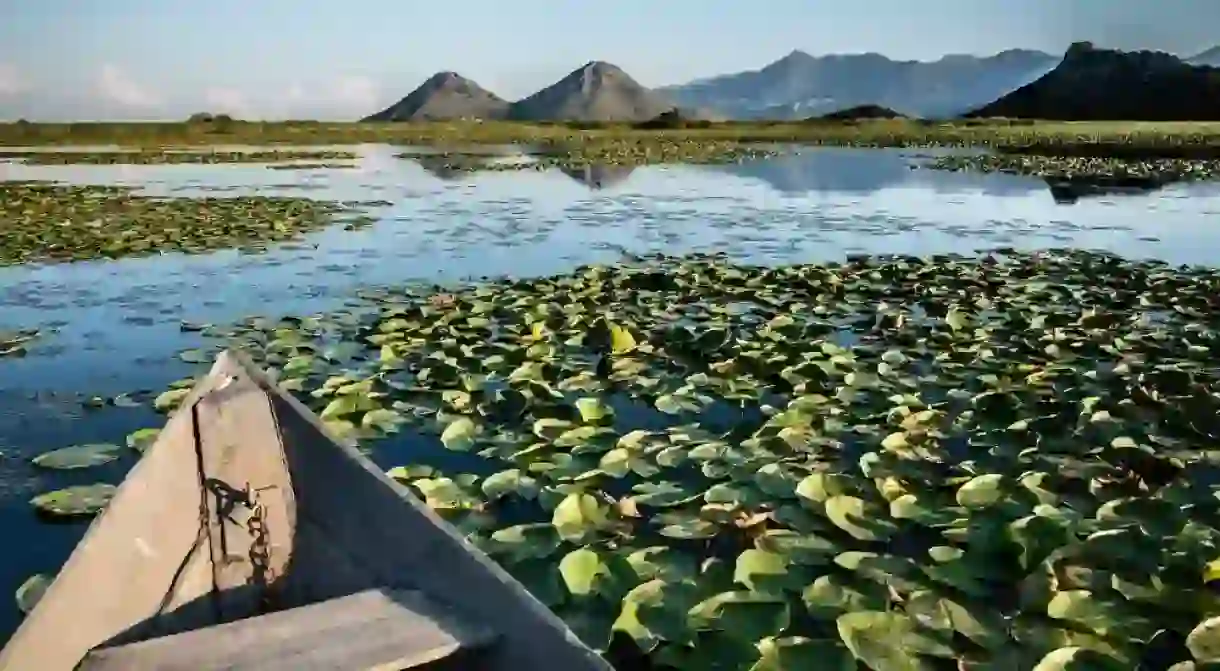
[116, 322]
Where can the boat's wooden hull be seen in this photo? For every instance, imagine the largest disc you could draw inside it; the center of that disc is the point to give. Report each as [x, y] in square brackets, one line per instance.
[244, 505]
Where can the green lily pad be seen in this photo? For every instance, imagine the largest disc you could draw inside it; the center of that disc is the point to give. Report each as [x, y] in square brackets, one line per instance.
[77, 501]
[30, 592]
[78, 456]
[142, 439]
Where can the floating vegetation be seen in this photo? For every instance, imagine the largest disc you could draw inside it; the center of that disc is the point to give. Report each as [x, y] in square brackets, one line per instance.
[30, 592]
[74, 222]
[904, 463]
[167, 157]
[1128, 139]
[142, 439]
[78, 501]
[1111, 170]
[311, 166]
[78, 456]
[602, 153]
[13, 343]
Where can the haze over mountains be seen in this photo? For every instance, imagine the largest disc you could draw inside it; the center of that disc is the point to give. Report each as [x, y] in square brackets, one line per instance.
[800, 86]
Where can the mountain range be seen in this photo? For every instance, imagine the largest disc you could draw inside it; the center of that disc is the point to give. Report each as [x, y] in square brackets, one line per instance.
[596, 91]
[800, 85]
[1092, 84]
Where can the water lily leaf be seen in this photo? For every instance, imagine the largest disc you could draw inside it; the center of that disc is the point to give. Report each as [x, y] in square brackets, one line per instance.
[409, 472]
[31, 591]
[798, 653]
[170, 399]
[821, 486]
[579, 515]
[745, 616]
[593, 410]
[1204, 640]
[444, 493]
[142, 439]
[888, 641]
[621, 340]
[981, 491]
[1083, 607]
[1077, 659]
[662, 494]
[762, 571]
[511, 481]
[689, 529]
[460, 434]
[655, 611]
[526, 541]
[662, 562]
[853, 515]
[581, 569]
[78, 456]
[382, 419]
[77, 501]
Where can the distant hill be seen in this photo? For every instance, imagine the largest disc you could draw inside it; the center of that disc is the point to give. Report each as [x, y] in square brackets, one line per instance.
[800, 85]
[863, 112]
[445, 95]
[596, 91]
[1210, 58]
[1092, 84]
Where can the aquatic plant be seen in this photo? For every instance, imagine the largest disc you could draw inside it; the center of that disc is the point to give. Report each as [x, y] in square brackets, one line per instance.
[1128, 139]
[995, 462]
[170, 156]
[53, 222]
[1160, 170]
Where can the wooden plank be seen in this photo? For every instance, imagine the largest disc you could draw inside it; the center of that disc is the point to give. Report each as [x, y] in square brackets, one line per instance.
[139, 560]
[242, 458]
[376, 629]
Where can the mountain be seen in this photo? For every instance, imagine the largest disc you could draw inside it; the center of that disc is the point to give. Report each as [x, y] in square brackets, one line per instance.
[1092, 84]
[1210, 58]
[800, 85]
[445, 95]
[863, 112]
[597, 91]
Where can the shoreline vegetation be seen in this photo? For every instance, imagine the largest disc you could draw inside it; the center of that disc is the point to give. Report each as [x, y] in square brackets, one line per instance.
[1133, 140]
[1160, 152]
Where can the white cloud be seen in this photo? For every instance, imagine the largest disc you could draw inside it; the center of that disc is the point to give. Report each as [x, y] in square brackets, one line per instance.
[224, 100]
[117, 85]
[342, 97]
[355, 91]
[11, 81]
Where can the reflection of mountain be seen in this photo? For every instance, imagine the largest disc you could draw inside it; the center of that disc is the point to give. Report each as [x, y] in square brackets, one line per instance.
[1069, 191]
[440, 167]
[600, 176]
[865, 171]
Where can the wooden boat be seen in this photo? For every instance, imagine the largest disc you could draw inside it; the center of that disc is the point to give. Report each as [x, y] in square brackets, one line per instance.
[247, 538]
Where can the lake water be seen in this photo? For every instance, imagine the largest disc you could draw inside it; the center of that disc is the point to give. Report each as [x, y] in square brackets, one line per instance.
[116, 323]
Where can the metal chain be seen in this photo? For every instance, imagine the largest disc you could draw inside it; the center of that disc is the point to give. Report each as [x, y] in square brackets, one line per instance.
[260, 548]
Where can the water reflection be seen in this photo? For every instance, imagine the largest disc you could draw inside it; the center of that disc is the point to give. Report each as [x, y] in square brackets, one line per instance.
[1070, 191]
[599, 177]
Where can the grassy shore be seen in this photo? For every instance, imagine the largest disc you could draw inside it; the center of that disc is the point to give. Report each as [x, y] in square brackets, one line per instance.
[1130, 139]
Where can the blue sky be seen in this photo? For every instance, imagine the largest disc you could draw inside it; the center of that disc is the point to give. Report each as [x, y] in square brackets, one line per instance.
[143, 59]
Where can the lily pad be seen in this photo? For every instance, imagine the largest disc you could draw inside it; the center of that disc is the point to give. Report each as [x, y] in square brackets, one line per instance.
[77, 501]
[78, 456]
